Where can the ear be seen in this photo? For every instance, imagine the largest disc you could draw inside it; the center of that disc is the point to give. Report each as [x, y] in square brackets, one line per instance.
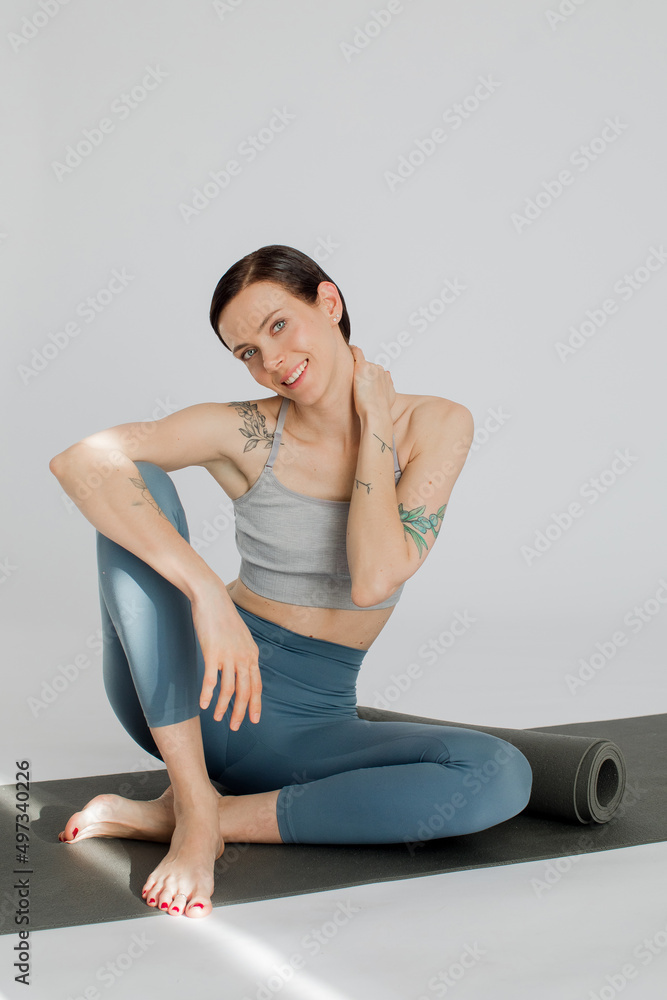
[329, 298]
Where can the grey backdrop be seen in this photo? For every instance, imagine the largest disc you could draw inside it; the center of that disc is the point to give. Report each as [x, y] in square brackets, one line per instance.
[512, 152]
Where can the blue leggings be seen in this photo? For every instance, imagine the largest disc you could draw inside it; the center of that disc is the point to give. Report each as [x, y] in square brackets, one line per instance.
[342, 779]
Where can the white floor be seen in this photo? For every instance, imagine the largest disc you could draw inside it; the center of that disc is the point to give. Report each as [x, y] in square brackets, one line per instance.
[568, 930]
[572, 929]
[598, 930]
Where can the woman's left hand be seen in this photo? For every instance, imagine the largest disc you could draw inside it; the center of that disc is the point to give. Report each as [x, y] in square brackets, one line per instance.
[372, 385]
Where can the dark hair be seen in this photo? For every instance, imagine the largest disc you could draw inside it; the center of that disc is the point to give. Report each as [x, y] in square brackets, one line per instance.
[282, 265]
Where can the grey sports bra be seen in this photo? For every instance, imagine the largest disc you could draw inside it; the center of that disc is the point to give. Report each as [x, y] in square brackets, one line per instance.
[293, 546]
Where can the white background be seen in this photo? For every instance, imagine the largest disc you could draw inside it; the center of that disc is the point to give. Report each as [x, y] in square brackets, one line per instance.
[553, 82]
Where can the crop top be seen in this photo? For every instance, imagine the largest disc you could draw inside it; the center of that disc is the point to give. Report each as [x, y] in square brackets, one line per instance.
[293, 546]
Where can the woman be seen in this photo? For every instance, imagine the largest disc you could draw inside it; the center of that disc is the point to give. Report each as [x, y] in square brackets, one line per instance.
[252, 684]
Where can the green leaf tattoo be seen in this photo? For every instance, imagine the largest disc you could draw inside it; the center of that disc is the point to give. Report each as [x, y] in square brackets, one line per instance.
[254, 428]
[414, 519]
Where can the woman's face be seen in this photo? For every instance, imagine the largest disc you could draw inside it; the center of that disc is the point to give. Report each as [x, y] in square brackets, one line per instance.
[273, 334]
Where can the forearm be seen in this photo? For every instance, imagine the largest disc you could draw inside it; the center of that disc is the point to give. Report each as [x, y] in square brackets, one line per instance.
[108, 489]
[376, 542]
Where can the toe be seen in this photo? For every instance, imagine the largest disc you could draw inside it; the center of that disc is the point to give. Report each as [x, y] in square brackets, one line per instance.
[164, 899]
[150, 892]
[67, 835]
[178, 904]
[199, 906]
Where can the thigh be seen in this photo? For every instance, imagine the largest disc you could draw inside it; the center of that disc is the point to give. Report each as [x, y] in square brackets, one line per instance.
[284, 749]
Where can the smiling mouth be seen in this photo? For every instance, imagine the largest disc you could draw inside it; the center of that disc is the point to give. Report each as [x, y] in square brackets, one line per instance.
[296, 375]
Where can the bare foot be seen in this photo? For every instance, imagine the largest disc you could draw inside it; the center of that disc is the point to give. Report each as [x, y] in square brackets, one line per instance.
[113, 816]
[182, 884]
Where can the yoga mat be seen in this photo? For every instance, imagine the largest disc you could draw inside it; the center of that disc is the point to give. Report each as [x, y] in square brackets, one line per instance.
[101, 879]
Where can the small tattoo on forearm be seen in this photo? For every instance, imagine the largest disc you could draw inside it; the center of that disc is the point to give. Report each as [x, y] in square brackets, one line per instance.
[254, 425]
[141, 485]
[383, 443]
[359, 483]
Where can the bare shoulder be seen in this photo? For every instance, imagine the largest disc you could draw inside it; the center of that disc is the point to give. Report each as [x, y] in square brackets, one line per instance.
[252, 415]
[219, 432]
[430, 417]
[436, 405]
[237, 427]
[247, 429]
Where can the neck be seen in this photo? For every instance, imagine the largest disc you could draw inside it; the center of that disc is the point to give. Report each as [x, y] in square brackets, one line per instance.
[333, 418]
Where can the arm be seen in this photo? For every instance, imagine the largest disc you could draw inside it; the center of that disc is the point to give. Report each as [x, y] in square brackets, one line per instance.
[392, 528]
[100, 475]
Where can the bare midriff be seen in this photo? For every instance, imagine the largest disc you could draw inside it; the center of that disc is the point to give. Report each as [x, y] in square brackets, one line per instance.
[358, 629]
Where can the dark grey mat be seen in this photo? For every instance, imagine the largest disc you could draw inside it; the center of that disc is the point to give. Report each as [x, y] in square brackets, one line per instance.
[100, 880]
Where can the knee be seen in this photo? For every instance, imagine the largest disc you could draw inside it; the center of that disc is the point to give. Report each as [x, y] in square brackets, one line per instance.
[153, 475]
[505, 773]
[161, 488]
[519, 778]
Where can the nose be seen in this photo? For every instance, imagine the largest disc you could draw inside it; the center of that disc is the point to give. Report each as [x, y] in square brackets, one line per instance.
[272, 364]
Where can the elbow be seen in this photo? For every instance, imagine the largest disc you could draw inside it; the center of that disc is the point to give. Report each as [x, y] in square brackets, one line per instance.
[369, 594]
[56, 465]
[59, 463]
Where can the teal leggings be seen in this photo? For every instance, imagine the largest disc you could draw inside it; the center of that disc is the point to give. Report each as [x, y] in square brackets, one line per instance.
[342, 779]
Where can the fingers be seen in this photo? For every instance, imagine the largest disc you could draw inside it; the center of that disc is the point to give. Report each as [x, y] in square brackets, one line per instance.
[240, 702]
[255, 704]
[248, 695]
[226, 692]
[244, 683]
[208, 686]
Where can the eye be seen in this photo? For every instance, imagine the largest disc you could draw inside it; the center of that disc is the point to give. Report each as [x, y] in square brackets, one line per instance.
[277, 323]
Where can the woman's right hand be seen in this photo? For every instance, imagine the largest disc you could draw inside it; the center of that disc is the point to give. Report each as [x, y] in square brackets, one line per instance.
[230, 649]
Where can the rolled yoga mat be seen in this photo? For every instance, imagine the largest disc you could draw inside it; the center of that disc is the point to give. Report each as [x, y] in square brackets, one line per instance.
[101, 879]
[576, 778]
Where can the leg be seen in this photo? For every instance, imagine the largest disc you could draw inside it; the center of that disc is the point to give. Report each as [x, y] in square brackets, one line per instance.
[153, 669]
[422, 783]
[349, 780]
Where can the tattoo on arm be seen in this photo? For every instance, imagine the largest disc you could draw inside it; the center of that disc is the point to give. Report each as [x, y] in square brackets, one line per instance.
[383, 443]
[254, 425]
[141, 485]
[415, 519]
[358, 483]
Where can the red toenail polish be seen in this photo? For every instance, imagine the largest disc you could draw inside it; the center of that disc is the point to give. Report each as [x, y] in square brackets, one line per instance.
[151, 900]
[176, 909]
[74, 833]
[199, 904]
[164, 907]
